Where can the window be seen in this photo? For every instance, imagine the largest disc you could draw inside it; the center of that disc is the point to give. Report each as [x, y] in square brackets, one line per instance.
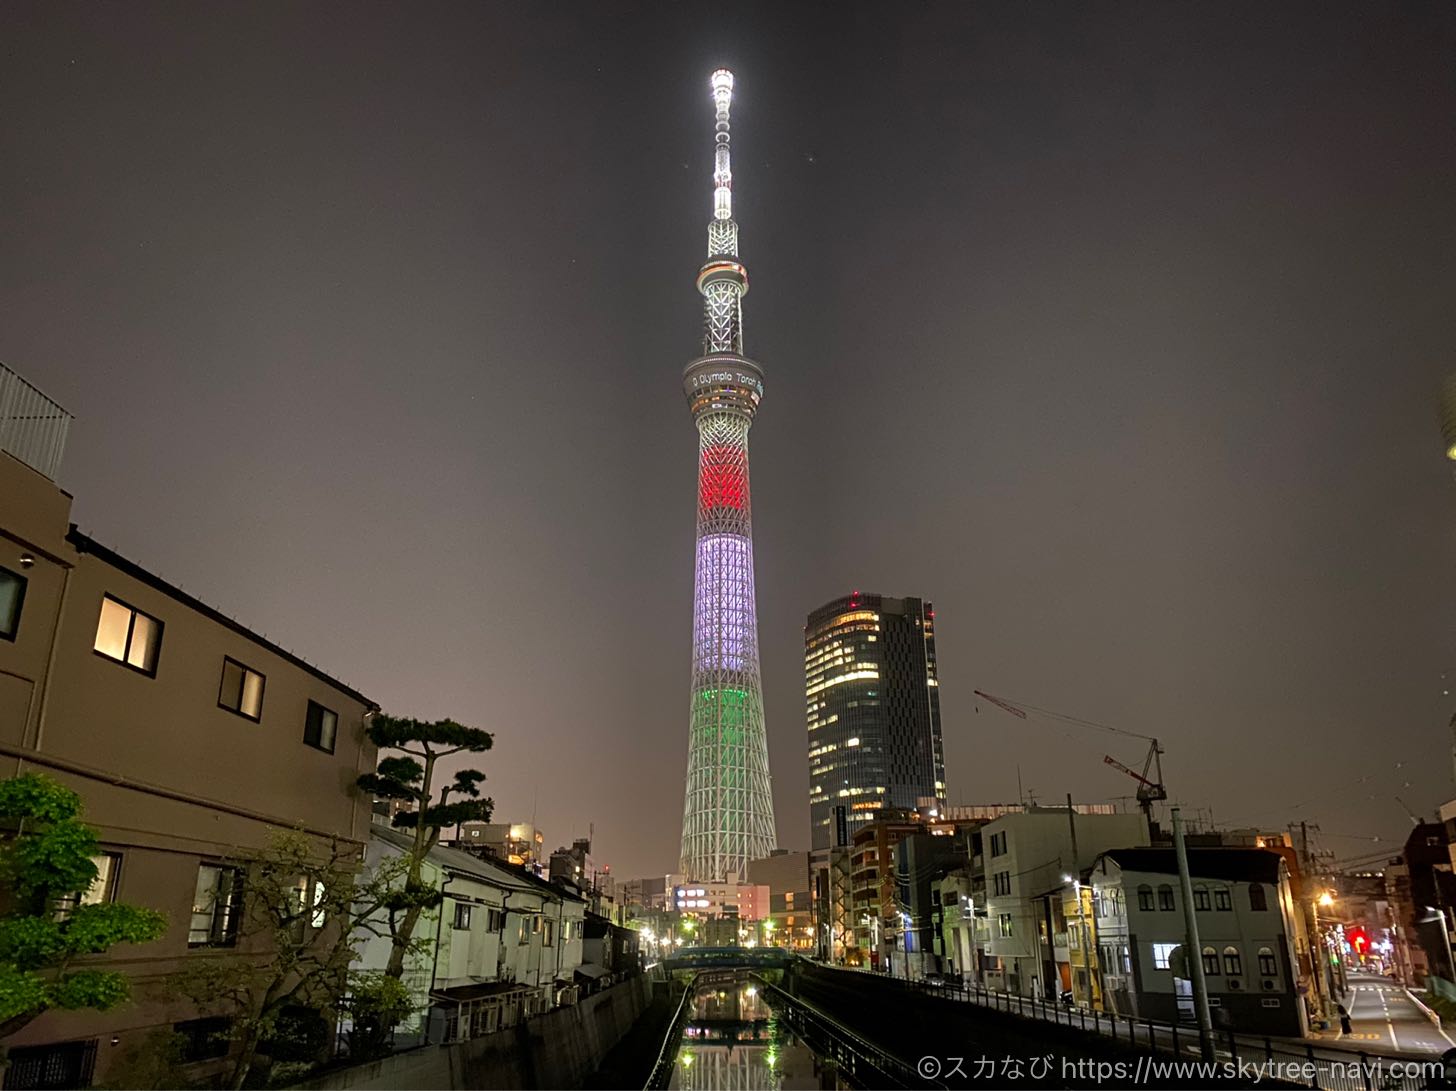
[1200, 897]
[241, 690]
[462, 917]
[548, 934]
[128, 636]
[1165, 899]
[1268, 965]
[205, 1039]
[1162, 955]
[1222, 900]
[1145, 898]
[1210, 960]
[494, 920]
[1258, 900]
[1002, 881]
[65, 1064]
[320, 727]
[12, 598]
[525, 931]
[1005, 925]
[1233, 965]
[216, 907]
[102, 888]
[998, 844]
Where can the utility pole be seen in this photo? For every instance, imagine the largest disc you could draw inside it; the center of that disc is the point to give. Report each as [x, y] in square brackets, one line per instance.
[1194, 950]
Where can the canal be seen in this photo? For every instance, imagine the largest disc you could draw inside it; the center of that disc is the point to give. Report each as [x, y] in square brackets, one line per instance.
[734, 1040]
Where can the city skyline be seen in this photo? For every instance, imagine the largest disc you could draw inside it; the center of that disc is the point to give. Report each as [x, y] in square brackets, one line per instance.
[1140, 318]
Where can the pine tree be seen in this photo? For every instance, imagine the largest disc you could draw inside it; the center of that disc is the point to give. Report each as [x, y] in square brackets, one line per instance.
[408, 779]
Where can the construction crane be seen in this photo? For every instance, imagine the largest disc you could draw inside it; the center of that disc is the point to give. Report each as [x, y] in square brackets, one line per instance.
[1150, 788]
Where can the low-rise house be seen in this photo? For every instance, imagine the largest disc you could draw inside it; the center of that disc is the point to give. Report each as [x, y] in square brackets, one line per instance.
[1246, 920]
[503, 944]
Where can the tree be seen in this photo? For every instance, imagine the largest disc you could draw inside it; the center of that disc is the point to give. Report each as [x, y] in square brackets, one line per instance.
[410, 780]
[45, 867]
[307, 906]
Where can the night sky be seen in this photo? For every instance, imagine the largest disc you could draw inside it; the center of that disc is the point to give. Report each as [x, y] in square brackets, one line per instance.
[1114, 330]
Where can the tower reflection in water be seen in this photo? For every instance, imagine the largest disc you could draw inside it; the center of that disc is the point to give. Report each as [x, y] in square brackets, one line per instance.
[734, 1041]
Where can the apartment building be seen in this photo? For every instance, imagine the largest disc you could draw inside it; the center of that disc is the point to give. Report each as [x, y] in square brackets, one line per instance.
[1247, 924]
[187, 735]
[1025, 857]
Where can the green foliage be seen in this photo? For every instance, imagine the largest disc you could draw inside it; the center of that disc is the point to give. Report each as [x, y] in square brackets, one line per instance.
[45, 862]
[309, 903]
[399, 733]
[376, 1004]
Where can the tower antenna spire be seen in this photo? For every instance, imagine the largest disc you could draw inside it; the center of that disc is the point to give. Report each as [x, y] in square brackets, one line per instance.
[722, 169]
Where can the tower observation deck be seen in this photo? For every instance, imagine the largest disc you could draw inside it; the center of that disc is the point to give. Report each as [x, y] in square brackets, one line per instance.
[728, 812]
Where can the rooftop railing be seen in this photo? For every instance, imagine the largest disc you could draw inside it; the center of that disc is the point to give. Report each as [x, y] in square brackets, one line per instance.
[33, 428]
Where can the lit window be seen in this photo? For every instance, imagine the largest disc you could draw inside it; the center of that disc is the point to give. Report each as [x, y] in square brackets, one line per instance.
[12, 597]
[241, 690]
[1210, 961]
[1268, 967]
[1233, 965]
[462, 916]
[216, 907]
[321, 727]
[102, 888]
[1162, 955]
[128, 636]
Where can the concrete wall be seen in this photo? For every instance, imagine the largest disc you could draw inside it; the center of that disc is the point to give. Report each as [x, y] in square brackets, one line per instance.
[557, 1049]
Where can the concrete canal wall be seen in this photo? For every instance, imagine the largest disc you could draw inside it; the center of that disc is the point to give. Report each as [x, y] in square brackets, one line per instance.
[559, 1049]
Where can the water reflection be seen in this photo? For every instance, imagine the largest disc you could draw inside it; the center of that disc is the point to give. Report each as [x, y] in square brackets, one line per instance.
[734, 1041]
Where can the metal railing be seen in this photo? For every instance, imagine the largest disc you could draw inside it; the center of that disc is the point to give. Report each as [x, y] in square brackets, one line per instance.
[661, 1074]
[33, 428]
[1290, 1060]
[866, 1064]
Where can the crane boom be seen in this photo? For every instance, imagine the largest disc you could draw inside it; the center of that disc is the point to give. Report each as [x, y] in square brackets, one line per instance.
[1007, 705]
[1110, 760]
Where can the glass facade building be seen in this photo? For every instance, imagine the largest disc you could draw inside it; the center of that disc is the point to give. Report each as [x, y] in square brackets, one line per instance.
[872, 707]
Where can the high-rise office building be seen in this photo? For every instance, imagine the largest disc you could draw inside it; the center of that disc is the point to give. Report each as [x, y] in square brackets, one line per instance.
[872, 706]
[728, 810]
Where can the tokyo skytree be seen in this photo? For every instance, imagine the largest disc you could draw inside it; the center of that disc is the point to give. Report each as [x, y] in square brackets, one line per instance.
[728, 815]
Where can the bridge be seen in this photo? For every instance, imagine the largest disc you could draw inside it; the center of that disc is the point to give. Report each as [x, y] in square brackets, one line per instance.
[728, 958]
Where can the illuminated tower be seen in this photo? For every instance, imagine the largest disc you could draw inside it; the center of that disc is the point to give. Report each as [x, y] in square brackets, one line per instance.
[728, 814]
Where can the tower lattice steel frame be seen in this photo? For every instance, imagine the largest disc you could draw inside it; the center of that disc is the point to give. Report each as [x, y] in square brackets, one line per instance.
[728, 813]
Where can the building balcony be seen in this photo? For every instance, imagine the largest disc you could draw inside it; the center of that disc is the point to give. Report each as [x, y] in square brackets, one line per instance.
[33, 428]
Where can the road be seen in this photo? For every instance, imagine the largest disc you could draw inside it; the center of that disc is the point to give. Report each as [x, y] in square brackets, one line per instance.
[1383, 1017]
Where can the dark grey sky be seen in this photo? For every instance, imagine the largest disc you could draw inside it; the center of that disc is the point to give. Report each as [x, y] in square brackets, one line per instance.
[1115, 330]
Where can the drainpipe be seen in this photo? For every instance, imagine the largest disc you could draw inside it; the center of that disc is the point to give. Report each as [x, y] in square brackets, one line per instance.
[435, 962]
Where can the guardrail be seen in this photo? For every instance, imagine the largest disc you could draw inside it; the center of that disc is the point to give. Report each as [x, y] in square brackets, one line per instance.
[33, 428]
[661, 1074]
[865, 1064]
[1289, 1060]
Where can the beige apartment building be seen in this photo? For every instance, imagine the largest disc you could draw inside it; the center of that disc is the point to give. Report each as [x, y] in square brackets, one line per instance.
[187, 735]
